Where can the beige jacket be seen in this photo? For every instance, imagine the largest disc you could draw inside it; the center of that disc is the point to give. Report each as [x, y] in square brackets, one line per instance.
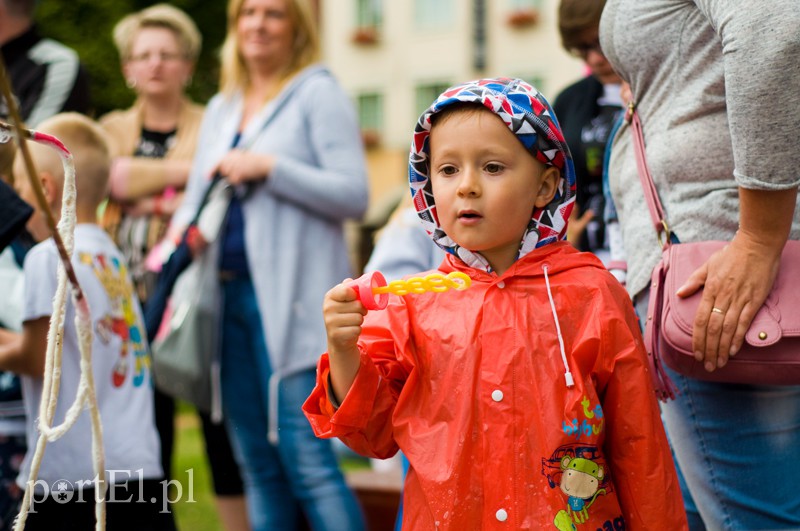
[124, 128]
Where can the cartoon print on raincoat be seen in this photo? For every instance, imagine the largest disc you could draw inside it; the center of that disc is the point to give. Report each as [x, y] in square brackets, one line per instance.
[578, 468]
[123, 321]
[529, 116]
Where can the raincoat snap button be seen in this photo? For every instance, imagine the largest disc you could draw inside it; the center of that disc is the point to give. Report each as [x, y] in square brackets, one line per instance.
[497, 395]
[501, 284]
[501, 515]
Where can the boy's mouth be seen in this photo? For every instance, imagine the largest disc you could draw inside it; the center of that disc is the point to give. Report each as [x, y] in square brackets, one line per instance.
[468, 215]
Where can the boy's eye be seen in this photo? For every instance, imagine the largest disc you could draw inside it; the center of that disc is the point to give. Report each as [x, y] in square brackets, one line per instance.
[494, 167]
[448, 170]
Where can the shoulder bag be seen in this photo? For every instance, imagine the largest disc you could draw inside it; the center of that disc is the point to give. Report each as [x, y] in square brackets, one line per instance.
[186, 345]
[770, 354]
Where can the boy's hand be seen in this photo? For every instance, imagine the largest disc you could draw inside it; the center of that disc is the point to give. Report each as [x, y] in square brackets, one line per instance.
[343, 314]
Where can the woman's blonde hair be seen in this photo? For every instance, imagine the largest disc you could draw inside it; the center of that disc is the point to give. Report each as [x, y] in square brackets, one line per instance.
[158, 16]
[305, 50]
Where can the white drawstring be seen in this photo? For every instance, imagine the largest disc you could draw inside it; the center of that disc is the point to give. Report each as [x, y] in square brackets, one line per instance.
[567, 373]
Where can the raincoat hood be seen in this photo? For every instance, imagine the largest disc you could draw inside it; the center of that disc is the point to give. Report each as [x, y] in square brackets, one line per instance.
[529, 116]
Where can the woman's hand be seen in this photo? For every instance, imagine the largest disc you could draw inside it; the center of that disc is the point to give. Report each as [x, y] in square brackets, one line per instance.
[737, 281]
[738, 278]
[239, 166]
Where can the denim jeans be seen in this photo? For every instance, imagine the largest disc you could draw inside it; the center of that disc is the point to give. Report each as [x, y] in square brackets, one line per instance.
[738, 452]
[300, 471]
[398, 522]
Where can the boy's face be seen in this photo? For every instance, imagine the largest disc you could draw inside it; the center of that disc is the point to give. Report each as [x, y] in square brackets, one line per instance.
[486, 184]
[37, 224]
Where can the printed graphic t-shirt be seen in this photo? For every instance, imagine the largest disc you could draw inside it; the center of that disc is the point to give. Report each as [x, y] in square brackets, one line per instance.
[120, 360]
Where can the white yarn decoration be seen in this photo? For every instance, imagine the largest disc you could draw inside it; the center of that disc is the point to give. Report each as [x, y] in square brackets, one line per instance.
[85, 395]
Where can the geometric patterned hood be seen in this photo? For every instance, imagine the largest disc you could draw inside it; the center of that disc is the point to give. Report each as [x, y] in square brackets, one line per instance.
[529, 116]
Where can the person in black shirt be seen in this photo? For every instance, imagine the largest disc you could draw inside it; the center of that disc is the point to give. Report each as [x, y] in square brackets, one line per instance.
[46, 76]
[587, 110]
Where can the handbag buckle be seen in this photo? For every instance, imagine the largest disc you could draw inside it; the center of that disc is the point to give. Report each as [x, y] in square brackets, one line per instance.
[664, 231]
[629, 111]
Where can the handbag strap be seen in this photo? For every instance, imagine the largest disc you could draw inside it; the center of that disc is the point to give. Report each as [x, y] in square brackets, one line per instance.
[665, 388]
[646, 178]
[206, 196]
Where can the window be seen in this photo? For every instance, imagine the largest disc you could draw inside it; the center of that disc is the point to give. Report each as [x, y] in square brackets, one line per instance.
[426, 94]
[431, 14]
[523, 13]
[525, 4]
[369, 13]
[536, 80]
[370, 112]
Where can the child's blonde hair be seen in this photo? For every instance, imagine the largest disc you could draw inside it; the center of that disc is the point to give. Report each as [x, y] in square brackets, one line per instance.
[84, 138]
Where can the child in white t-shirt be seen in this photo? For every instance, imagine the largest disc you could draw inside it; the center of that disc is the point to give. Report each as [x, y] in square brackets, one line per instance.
[64, 489]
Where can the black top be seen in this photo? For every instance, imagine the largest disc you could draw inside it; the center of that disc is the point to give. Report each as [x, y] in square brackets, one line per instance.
[13, 215]
[29, 59]
[587, 125]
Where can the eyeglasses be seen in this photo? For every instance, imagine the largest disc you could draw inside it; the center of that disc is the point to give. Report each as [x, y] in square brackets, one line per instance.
[582, 50]
[164, 57]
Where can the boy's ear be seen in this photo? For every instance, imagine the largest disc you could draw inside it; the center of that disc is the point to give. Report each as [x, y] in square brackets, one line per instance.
[548, 186]
[50, 187]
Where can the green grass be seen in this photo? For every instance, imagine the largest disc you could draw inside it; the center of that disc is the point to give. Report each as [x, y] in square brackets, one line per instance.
[200, 514]
[190, 454]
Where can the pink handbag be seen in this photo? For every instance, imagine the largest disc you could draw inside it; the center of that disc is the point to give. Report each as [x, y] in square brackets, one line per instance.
[771, 352]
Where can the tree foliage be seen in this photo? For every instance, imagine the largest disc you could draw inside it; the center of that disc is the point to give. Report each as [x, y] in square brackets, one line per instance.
[87, 25]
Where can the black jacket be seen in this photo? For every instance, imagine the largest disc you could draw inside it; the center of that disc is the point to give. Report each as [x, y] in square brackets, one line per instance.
[46, 78]
[586, 126]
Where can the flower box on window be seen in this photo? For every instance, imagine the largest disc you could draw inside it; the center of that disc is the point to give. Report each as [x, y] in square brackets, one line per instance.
[371, 138]
[365, 35]
[523, 18]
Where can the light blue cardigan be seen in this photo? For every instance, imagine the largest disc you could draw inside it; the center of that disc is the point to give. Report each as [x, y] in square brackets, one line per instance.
[293, 221]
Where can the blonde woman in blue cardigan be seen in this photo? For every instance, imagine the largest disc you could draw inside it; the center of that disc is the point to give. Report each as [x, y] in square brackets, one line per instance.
[284, 135]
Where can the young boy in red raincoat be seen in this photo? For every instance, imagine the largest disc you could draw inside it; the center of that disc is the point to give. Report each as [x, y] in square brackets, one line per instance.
[523, 402]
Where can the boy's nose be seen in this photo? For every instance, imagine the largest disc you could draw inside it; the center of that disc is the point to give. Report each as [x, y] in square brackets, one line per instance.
[469, 184]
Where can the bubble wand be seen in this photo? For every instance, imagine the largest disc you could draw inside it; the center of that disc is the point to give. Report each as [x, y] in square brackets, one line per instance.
[373, 290]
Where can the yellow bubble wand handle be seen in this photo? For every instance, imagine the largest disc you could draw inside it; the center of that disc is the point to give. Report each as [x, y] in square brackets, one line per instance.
[373, 290]
[435, 282]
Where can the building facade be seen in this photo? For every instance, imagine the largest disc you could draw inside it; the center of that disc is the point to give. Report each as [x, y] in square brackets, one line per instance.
[395, 56]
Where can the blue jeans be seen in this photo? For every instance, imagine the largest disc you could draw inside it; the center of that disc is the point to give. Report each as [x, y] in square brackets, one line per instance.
[300, 471]
[738, 452]
[398, 523]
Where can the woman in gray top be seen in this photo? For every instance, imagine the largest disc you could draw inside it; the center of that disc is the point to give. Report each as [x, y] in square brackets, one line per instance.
[717, 85]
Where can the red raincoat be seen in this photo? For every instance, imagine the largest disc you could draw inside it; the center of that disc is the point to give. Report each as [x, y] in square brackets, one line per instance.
[471, 386]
